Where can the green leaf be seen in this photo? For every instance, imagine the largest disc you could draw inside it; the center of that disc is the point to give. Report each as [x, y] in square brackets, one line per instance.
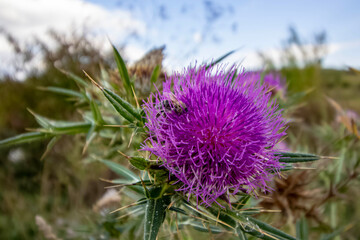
[63, 91]
[89, 137]
[60, 127]
[178, 210]
[24, 138]
[241, 234]
[154, 215]
[96, 112]
[203, 227]
[334, 233]
[242, 202]
[120, 170]
[126, 182]
[154, 76]
[50, 146]
[124, 75]
[302, 229]
[257, 228]
[76, 78]
[120, 109]
[139, 162]
[42, 121]
[296, 157]
[127, 106]
[274, 231]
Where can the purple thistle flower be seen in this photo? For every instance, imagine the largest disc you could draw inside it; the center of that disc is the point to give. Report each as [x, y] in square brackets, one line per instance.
[215, 133]
[273, 80]
[275, 83]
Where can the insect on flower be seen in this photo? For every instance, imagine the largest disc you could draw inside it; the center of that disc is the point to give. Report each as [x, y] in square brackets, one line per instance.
[215, 132]
[167, 106]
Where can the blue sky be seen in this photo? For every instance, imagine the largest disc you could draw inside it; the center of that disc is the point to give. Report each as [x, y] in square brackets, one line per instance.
[190, 32]
[195, 30]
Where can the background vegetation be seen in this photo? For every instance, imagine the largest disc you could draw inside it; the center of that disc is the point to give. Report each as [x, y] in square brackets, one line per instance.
[63, 188]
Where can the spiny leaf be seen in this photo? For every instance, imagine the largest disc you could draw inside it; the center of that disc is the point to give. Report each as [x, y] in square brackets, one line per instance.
[241, 234]
[60, 127]
[115, 102]
[24, 138]
[76, 78]
[139, 162]
[96, 112]
[124, 75]
[178, 210]
[89, 137]
[42, 121]
[126, 182]
[120, 109]
[286, 167]
[242, 202]
[120, 170]
[203, 227]
[63, 91]
[50, 146]
[257, 228]
[296, 157]
[274, 231]
[155, 215]
[133, 111]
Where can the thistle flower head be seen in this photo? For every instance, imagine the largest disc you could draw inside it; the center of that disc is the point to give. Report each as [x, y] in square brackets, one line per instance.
[272, 80]
[215, 131]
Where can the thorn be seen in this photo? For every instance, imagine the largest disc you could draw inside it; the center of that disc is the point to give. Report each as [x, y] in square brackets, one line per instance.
[131, 138]
[137, 103]
[30, 111]
[126, 156]
[304, 168]
[105, 180]
[121, 126]
[93, 81]
[329, 157]
[119, 209]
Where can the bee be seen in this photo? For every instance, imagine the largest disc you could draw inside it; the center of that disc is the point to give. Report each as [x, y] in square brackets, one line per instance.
[172, 105]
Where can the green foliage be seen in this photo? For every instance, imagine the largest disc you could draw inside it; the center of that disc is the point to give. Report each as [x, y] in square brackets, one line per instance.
[124, 75]
[155, 213]
[151, 206]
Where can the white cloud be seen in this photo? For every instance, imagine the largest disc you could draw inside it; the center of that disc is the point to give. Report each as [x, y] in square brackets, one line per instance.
[252, 60]
[133, 52]
[27, 18]
[197, 37]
